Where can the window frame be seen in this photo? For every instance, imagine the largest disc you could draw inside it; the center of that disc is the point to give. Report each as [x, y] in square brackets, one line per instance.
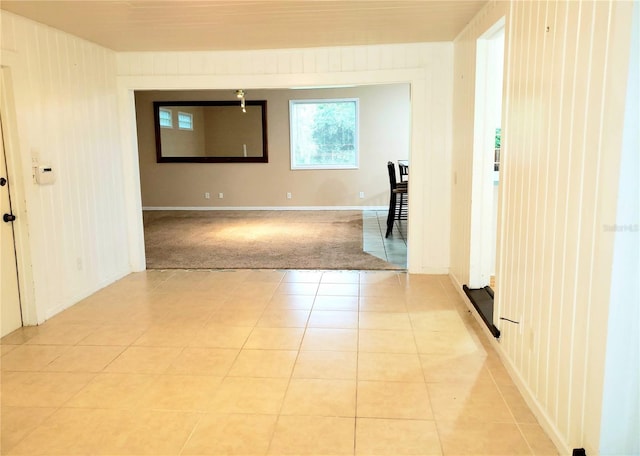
[190, 128]
[160, 111]
[293, 137]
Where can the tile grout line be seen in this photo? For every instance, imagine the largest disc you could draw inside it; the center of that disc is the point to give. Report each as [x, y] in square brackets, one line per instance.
[424, 377]
[355, 413]
[295, 361]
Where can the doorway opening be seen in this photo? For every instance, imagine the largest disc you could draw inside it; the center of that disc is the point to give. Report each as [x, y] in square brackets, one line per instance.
[486, 172]
[274, 214]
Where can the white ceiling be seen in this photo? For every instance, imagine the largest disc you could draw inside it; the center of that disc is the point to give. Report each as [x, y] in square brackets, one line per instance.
[147, 25]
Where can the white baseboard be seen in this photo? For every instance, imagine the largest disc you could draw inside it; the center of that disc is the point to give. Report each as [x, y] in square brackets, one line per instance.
[535, 406]
[263, 208]
[431, 270]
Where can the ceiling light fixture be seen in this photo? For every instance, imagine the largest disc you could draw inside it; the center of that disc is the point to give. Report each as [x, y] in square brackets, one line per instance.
[240, 94]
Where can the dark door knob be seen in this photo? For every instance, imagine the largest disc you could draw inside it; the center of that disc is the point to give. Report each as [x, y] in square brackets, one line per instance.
[3, 182]
[8, 217]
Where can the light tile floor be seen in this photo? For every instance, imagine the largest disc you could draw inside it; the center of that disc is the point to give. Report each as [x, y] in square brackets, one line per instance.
[392, 249]
[263, 363]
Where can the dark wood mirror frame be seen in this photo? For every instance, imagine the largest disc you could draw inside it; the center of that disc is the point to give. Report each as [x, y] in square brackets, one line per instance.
[165, 156]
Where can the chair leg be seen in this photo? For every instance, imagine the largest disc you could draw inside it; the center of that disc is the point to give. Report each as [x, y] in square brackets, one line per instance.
[402, 207]
[399, 217]
[391, 214]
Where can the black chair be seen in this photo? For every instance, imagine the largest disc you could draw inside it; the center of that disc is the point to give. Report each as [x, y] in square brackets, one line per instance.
[399, 195]
[403, 169]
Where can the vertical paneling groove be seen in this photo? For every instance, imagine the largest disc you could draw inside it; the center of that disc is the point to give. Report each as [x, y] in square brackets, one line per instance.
[557, 89]
[92, 93]
[592, 161]
[66, 115]
[510, 180]
[556, 277]
[555, 128]
[575, 410]
[596, 130]
[576, 195]
[504, 234]
[522, 152]
[543, 305]
[84, 171]
[541, 183]
[536, 137]
[48, 46]
[74, 136]
[30, 38]
[570, 167]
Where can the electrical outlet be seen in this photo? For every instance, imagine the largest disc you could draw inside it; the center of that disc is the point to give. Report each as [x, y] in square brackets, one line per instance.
[288, 195]
[79, 263]
[220, 195]
[361, 195]
[207, 195]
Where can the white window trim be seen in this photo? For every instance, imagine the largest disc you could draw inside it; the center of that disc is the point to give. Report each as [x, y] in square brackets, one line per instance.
[356, 140]
[190, 117]
[170, 117]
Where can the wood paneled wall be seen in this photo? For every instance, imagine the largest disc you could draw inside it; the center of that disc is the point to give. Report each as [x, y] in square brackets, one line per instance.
[565, 78]
[564, 93]
[66, 116]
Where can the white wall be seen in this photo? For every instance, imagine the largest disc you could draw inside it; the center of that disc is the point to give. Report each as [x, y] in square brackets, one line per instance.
[566, 68]
[65, 113]
[426, 66]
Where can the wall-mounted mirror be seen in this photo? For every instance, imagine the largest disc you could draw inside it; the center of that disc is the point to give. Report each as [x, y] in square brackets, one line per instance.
[211, 131]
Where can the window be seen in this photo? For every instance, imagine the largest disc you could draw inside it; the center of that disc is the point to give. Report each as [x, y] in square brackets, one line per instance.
[185, 121]
[166, 121]
[324, 134]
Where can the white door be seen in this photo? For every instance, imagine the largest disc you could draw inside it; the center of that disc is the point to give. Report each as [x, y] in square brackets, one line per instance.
[11, 314]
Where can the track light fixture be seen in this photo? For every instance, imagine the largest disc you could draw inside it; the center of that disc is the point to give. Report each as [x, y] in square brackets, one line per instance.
[240, 94]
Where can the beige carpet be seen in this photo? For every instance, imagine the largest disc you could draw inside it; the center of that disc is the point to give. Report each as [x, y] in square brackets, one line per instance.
[257, 240]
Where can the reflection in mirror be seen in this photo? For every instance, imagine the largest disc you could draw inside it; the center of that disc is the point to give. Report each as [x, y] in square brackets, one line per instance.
[210, 131]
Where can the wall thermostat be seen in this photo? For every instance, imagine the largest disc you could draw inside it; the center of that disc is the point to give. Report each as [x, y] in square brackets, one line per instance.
[45, 175]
